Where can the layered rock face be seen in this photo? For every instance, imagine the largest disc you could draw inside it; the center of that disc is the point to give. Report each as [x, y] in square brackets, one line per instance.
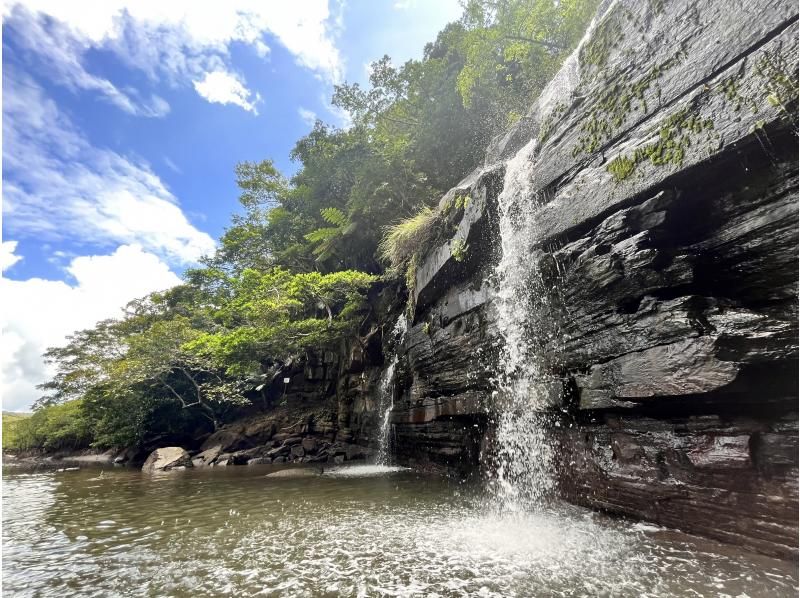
[663, 182]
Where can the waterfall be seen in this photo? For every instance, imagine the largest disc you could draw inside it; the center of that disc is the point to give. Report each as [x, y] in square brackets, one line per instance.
[386, 394]
[524, 455]
[525, 305]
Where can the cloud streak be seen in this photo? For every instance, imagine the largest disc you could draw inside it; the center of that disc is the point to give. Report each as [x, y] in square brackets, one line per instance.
[58, 186]
[221, 87]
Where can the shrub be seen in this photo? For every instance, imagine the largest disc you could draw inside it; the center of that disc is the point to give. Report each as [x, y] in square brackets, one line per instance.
[408, 237]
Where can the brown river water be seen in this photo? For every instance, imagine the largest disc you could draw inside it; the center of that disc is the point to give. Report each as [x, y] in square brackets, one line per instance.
[359, 531]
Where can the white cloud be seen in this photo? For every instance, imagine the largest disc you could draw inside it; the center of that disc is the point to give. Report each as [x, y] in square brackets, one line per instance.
[62, 52]
[179, 40]
[8, 256]
[309, 117]
[58, 186]
[221, 87]
[39, 313]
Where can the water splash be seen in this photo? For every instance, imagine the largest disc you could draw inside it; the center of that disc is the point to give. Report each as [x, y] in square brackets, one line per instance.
[386, 393]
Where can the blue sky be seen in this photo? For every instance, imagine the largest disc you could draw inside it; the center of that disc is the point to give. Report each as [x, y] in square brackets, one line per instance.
[122, 122]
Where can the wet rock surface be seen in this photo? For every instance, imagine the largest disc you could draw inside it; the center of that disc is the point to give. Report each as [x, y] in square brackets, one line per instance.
[664, 182]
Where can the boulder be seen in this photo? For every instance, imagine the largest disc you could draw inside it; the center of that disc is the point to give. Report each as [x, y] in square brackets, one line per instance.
[260, 461]
[243, 457]
[298, 451]
[309, 445]
[229, 438]
[164, 459]
[207, 457]
[280, 451]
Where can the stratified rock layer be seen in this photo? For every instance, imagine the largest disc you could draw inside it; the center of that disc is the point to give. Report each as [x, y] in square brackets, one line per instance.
[664, 182]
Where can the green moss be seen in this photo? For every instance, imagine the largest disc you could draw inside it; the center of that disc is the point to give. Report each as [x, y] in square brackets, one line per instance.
[606, 36]
[780, 87]
[426, 328]
[674, 136]
[548, 124]
[621, 167]
[614, 105]
[458, 249]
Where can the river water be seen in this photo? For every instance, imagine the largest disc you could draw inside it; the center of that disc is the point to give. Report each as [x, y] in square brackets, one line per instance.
[364, 531]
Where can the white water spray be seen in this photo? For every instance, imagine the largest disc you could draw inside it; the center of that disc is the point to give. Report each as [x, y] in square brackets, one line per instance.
[526, 387]
[386, 393]
[525, 457]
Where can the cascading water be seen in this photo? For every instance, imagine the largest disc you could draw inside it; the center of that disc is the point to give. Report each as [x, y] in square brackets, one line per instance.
[386, 390]
[525, 306]
[386, 393]
[524, 456]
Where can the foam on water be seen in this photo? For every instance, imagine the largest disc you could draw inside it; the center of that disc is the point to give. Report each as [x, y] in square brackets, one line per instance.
[360, 471]
[232, 531]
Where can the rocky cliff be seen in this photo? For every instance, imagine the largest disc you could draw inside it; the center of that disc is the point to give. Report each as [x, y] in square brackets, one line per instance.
[662, 173]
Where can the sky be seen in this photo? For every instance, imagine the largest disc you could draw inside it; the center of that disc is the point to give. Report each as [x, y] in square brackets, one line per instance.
[122, 123]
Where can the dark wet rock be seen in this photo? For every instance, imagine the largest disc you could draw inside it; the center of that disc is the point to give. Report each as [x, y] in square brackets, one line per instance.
[297, 451]
[243, 457]
[167, 458]
[309, 445]
[126, 455]
[280, 451]
[260, 461]
[668, 314]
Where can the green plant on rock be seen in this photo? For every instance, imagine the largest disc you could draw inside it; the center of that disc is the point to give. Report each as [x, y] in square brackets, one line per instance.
[408, 237]
[614, 104]
[458, 249]
[674, 136]
[780, 84]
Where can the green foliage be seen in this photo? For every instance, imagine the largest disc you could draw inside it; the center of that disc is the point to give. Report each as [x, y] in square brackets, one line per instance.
[10, 421]
[458, 249]
[55, 427]
[513, 48]
[408, 237]
[277, 315]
